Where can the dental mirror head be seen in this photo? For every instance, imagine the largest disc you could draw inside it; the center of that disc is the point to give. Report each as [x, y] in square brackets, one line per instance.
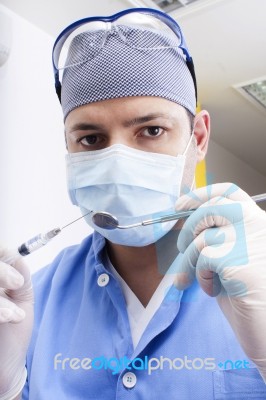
[105, 220]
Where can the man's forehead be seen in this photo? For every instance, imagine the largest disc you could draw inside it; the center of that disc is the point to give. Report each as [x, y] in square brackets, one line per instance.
[143, 108]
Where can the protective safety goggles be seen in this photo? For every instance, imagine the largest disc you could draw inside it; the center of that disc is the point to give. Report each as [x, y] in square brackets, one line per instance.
[128, 26]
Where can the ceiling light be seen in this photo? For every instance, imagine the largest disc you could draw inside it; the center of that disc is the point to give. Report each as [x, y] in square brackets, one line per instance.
[175, 7]
[258, 91]
[171, 5]
[254, 91]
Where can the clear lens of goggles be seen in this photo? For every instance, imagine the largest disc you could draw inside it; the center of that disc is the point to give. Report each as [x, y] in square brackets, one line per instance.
[97, 34]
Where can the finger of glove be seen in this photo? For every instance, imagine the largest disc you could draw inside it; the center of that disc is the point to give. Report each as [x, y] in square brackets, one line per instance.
[10, 278]
[221, 267]
[209, 281]
[9, 312]
[202, 260]
[195, 198]
[228, 213]
[190, 267]
[17, 263]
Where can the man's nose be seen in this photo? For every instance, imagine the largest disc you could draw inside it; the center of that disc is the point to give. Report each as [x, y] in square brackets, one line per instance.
[120, 137]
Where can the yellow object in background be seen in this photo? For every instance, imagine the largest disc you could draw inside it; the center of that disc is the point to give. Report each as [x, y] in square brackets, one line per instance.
[200, 174]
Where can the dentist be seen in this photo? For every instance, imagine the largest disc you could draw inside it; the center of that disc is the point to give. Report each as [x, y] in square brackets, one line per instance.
[189, 296]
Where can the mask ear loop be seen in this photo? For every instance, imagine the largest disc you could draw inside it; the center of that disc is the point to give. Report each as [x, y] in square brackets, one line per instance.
[189, 143]
[186, 149]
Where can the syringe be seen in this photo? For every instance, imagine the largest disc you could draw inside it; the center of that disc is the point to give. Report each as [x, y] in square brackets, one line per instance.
[35, 243]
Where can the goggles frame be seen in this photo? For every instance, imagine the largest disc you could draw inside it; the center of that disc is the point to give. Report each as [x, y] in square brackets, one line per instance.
[169, 21]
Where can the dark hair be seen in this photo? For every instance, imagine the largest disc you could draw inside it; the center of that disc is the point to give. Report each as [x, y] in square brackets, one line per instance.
[190, 118]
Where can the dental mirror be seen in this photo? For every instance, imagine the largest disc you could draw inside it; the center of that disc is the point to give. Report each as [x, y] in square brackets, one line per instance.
[108, 221]
[105, 220]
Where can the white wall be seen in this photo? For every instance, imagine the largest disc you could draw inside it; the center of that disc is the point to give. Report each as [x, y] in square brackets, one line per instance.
[33, 195]
[224, 166]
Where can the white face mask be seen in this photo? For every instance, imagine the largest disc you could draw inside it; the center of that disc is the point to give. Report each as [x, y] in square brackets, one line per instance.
[130, 184]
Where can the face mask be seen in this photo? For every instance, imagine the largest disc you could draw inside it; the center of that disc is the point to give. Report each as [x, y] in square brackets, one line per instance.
[133, 185]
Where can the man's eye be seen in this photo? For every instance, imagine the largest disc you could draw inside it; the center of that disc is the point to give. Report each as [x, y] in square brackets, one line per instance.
[153, 131]
[89, 140]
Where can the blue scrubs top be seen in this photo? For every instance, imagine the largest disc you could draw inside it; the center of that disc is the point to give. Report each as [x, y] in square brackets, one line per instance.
[81, 347]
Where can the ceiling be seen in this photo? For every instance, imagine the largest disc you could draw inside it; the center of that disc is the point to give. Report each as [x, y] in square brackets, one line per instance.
[227, 39]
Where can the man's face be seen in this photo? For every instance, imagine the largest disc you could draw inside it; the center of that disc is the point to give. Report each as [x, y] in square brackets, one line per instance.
[150, 124]
[144, 123]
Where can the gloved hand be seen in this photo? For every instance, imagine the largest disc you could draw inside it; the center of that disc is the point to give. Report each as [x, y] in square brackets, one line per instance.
[16, 318]
[224, 246]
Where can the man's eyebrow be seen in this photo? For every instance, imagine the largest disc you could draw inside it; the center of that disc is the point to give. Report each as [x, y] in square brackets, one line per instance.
[84, 126]
[145, 118]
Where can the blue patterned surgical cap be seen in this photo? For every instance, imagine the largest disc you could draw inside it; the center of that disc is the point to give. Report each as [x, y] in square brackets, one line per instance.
[118, 70]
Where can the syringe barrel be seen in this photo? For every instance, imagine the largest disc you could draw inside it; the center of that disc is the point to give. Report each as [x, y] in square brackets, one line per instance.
[37, 242]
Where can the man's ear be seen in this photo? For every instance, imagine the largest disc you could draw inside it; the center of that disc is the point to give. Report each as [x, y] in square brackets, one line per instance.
[202, 133]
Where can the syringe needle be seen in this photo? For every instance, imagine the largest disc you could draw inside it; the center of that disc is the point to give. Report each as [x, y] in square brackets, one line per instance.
[70, 223]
